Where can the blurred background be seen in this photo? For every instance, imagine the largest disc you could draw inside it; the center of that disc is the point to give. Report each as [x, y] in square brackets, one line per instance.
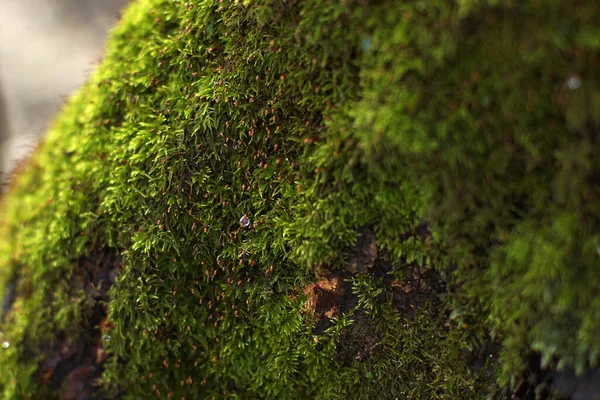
[47, 50]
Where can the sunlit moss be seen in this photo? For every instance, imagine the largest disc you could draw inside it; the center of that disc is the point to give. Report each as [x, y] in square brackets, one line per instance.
[452, 129]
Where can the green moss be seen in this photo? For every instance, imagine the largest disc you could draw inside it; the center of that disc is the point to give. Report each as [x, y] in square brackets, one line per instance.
[448, 128]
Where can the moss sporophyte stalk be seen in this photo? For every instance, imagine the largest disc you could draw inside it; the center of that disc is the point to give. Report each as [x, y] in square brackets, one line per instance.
[313, 199]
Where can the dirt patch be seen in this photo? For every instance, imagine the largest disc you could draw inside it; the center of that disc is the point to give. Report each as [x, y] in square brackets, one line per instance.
[328, 297]
[331, 295]
[359, 341]
[421, 285]
[322, 296]
[362, 256]
[75, 362]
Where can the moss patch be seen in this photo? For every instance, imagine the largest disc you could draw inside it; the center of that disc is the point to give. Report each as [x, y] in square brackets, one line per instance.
[435, 160]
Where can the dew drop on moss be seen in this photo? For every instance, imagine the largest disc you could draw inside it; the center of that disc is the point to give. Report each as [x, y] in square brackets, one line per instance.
[5, 345]
[574, 82]
[106, 338]
[245, 221]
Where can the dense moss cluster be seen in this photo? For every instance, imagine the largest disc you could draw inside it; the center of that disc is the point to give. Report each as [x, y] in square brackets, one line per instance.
[235, 152]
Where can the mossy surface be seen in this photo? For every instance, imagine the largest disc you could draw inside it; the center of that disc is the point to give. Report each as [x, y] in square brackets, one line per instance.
[233, 153]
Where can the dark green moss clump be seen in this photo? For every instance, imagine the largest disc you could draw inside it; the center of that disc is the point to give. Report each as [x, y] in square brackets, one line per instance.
[312, 199]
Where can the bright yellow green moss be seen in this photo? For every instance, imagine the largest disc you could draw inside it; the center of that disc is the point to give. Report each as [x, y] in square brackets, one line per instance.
[464, 134]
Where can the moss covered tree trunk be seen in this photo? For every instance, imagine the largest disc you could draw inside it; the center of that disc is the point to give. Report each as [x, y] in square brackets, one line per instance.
[314, 199]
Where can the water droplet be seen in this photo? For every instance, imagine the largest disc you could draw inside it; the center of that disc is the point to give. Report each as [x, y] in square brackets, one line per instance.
[574, 82]
[106, 337]
[245, 221]
[5, 345]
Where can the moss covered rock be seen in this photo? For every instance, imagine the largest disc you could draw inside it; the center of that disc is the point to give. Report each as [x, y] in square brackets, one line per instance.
[312, 199]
